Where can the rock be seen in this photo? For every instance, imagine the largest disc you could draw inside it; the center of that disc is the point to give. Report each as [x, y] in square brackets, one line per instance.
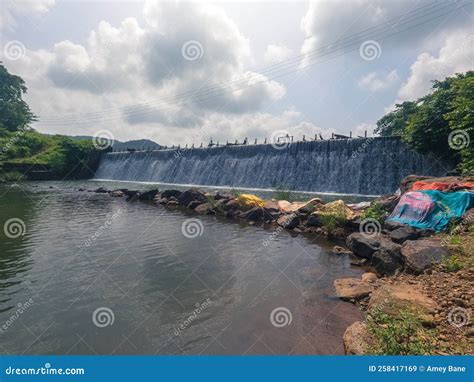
[364, 245]
[288, 221]
[192, 205]
[388, 203]
[354, 224]
[387, 260]
[204, 208]
[403, 234]
[314, 221]
[470, 332]
[255, 214]
[231, 205]
[356, 339]
[369, 277]
[132, 196]
[389, 298]
[116, 193]
[341, 250]
[425, 232]
[422, 254]
[171, 193]
[271, 204]
[148, 195]
[352, 288]
[390, 225]
[223, 195]
[99, 190]
[163, 201]
[190, 195]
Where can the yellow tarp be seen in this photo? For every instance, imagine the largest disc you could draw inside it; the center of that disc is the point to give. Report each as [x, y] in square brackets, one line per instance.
[249, 200]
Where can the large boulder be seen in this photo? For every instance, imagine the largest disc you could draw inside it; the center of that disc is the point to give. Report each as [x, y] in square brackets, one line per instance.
[204, 208]
[148, 195]
[223, 195]
[365, 245]
[290, 221]
[422, 254]
[170, 193]
[403, 234]
[314, 221]
[357, 339]
[255, 214]
[390, 298]
[116, 193]
[387, 260]
[230, 205]
[352, 288]
[188, 196]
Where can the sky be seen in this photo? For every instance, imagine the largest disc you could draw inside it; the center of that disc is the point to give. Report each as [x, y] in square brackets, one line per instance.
[181, 72]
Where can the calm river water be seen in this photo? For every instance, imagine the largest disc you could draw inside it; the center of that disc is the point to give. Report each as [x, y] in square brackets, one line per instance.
[85, 273]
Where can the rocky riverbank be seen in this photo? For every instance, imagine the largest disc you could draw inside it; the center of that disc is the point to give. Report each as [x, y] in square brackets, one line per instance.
[419, 293]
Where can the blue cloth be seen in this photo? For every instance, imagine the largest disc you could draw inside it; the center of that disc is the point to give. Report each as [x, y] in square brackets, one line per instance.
[431, 209]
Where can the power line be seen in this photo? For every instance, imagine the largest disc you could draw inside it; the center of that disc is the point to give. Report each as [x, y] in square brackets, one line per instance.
[325, 51]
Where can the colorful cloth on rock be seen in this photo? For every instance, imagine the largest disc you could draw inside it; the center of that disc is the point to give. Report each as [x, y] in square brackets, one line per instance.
[431, 209]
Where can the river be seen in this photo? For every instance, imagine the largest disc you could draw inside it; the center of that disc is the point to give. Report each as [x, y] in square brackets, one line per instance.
[85, 273]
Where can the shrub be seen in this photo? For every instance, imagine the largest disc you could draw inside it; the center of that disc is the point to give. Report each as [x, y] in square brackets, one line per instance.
[451, 264]
[374, 211]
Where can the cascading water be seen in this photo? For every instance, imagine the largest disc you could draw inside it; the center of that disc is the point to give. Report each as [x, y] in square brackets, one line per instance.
[371, 166]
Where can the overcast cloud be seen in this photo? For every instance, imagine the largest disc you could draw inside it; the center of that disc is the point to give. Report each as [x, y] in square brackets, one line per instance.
[182, 72]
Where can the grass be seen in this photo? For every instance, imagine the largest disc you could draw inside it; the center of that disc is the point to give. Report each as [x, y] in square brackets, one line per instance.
[374, 211]
[402, 334]
[12, 176]
[61, 154]
[451, 264]
[281, 193]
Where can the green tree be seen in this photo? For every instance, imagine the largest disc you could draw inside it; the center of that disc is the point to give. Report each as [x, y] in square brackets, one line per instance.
[427, 123]
[15, 113]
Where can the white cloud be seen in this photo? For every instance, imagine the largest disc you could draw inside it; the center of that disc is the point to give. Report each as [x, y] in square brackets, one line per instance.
[134, 74]
[327, 22]
[377, 81]
[361, 129]
[10, 11]
[276, 53]
[455, 56]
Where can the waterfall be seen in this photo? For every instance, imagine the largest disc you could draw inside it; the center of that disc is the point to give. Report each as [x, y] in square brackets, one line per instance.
[368, 166]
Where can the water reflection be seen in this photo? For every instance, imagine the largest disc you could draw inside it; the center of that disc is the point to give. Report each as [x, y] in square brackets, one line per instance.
[163, 293]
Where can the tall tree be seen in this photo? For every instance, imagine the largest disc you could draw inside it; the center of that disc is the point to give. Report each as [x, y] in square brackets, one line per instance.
[15, 113]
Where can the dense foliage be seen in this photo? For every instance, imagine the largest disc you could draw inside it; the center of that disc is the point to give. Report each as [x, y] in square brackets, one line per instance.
[21, 144]
[441, 122]
[14, 111]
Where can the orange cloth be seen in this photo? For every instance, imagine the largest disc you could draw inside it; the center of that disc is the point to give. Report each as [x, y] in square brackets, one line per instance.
[442, 186]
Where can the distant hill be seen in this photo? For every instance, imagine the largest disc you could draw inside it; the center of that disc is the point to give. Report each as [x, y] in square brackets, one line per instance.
[134, 144]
